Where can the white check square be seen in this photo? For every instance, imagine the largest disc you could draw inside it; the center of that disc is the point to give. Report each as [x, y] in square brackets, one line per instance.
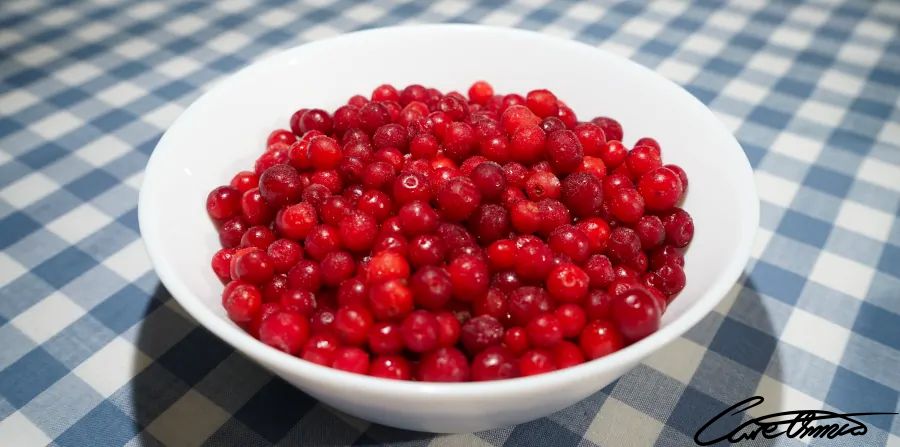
[79, 223]
[816, 335]
[842, 274]
[96, 371]
[49, 316]
[865, 220]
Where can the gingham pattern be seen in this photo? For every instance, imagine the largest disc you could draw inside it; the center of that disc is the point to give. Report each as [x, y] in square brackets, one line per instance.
[94, 352]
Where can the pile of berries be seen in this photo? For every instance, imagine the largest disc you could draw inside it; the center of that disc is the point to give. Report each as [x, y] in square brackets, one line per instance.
[417, 235]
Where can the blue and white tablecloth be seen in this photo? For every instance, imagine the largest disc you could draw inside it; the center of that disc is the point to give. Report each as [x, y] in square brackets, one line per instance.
[94, 352]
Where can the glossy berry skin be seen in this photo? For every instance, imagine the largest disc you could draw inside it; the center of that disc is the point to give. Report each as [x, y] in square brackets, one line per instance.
[426, 249]
[534, 261]
[599, 338]
[252, 265]
[241, 301]
[458, 199]
[470, 277]
[526, 303]
[636, 314]
[385, 338]
[247, 180]
[572, 319]
[223, 203]
[431, 287]
[336, 267]
[449, 329]
[564, 151]
[286, 331]
[600, 271]
[567, 354]
[542, 102]
[320, 348]
[385, 266]
[542, 185]
[481, 332]
[297, 300]
[351, 359]
[544, 331]
[568, 283]
[669, 279]
[570, 241]
[494, 363]
[536, 361]
[394, 367]
[627, 205]
[296, 221]
[623, 245]
[661, 189]
[611, 128]
[280, 185]
[390, 300]
[527, 143]
[679, 228]
[417, 218]
[582, 193]
[667, 254]
[305, 275]
[597, 231]
[613, 154]
[443, 365]
[221, 264]
[352, 324]
[420, 331]
[357, 231]
[651, 231]
[254, 208]
[284, 254]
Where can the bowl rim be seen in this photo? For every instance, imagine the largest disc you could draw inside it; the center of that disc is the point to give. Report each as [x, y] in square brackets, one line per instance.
[253, 348]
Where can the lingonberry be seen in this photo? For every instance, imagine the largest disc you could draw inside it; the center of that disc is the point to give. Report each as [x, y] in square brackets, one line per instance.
[481, 332]
[611, 128]
[285, 330]
[426, 249]
[599, 338]
[592, 138]
[600, 271]
[351, 359]
[223, 203]
[254, 207]
[564, 151]
[516, 340]
[572, 319]
[431, 287]
[252, 265]
[501, 254]
[593, 166]
[336, 267]
[490, 222]
[674, 168]
[241, 301]
[390, 300]
[542, 102]
[597, 232]
[544, 330]
[669, 279]
[661, 189]
[626, 205]
[567, 354]
[352, 324]
[245, 180]
[443, 365]
[297, 300]
[492, 303]
[494, 363]
[489, 180]
[273, 288]
[410, 186]
[506, 281]
[636, 314]
[391, 367]
[613, 154]
[357, 231]
[276, 155]
[542, 185]
[320, 348]
[387, 265]
[527, 302]
[568, 283]
[567, 116]
[525, 217]
[641, 160]
[458, 198]
[295, 221]
[665, 255]
[305, 275]
[420, 331]
[553, 215]
[533, 261]
[469, 276]
[679, 227]
[623, 245]
[582, 193]
[232, 231]
[536, 361]
[552, 124]
[527, 143]
[570, 241]
[449, 329]
[221, 264]
[417, 217]
[480, 92]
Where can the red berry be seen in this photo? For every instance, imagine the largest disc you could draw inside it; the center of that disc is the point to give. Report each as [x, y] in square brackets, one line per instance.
[297, 300]
[570, 241]
[357, 231]
[597, 232]
[252, 265]
[443, 365]
[611, 128]
[385, 338]
[567, 283]
[564, 151]
[254, 207]
[572, 319]
[420, 331]
[223, 203]
[387, 265]
[481, 332]
[305, 275]
[536, 361]
[516, 340]
[470, 277]
[636, 314]
[431, 287]
[480, 92]
[286, 331]
[320, 348]
[600, 271]
[494, 363]
[679, 227]
[241, 301]
[544, 330]
[336, 267]
[221, 264]
[351, 359]
[417, 217]
[627, 205]
[296, 221]
[542, 103]
[533, 261]
[527, 302]
[449, 329]
[390, 300]
[527, 143]
[391, 367]
[661, 189]
[582, 193]
[600, 338]
[352, 324]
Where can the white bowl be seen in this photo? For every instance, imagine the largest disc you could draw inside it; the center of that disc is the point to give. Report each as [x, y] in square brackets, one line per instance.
[224, 130]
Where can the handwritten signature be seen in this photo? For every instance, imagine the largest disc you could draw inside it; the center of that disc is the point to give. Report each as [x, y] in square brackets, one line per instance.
[793, 424]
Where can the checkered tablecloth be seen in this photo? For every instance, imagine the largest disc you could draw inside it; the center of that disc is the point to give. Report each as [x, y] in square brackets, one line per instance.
[94, 352]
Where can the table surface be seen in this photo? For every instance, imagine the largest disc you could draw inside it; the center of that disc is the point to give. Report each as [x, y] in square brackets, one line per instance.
[96, 352]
